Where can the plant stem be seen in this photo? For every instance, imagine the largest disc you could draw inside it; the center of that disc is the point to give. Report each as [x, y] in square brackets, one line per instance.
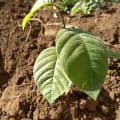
[61, 16]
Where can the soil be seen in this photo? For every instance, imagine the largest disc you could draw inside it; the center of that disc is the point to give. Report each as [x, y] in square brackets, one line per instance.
[19, 97]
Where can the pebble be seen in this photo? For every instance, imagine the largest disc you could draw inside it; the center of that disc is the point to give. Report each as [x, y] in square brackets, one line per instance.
[118, 100]
[76, 104]
[73, 112]
[55, 15]
[112, 78]
[104, 109]
[42, 115]
[97, 119]
[82, 104]
[84, 117]
[112, 95]
[30, 114]
[36, 114]
[56, 113]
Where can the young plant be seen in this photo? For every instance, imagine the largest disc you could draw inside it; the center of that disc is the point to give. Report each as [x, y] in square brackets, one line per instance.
[78, 58]
[83, 7]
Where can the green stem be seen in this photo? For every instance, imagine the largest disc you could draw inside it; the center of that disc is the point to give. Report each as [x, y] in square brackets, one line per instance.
[61, 16]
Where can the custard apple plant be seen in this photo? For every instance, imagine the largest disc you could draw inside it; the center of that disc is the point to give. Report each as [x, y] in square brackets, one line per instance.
[78, 57]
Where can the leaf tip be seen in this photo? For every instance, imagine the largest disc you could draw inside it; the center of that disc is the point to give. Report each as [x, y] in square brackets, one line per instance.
[26, 20]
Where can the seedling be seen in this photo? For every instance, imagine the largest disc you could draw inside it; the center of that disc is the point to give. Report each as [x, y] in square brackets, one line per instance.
[78, 58]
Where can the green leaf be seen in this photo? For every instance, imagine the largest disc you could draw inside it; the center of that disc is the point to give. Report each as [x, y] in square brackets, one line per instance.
[75, 9]
[112, 54]
[38, 5]
[49, 76]
[84, 59]
[84, 7]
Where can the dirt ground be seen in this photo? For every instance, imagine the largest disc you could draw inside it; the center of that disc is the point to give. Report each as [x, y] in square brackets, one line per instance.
[19, 97]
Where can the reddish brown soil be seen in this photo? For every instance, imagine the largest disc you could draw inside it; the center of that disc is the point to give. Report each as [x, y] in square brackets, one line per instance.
[19, 98]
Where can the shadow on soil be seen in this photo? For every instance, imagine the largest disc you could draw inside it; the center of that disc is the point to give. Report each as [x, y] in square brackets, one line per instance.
[4, 76]
[73, 112]
[2, 3]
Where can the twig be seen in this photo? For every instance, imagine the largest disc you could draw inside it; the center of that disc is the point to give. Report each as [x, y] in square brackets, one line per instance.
[28, 34]
[42, 24]
[42, 27]
[61, 16]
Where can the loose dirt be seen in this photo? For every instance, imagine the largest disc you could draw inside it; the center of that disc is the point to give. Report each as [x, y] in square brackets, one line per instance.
[19, 97]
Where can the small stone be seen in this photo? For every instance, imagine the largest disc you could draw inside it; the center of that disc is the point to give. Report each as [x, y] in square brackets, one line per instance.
[97, 119]
[112, 95]
[30, 114]
[117, 77]
[118, 100]
[73, 112]
[104, 109]
[76, 119]
[55, 15]
[76, 104]
[56, 113]
[36, 115]
[112, 78]
[82, 104]
[91, 105]
[20, 112]
[42, 115]
[84, 117]
[52, 114]
[31, 61]
[10, 118]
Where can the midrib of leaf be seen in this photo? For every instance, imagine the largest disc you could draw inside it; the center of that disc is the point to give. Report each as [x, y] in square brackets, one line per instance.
[62, 72]
[90, 63]
[67, 40]
[53, 80]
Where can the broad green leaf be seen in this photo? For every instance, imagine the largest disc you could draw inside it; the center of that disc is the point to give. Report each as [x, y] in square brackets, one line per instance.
[49, 76]
[38, 5]
[84, 59]
[84, 7]
[112, 54]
